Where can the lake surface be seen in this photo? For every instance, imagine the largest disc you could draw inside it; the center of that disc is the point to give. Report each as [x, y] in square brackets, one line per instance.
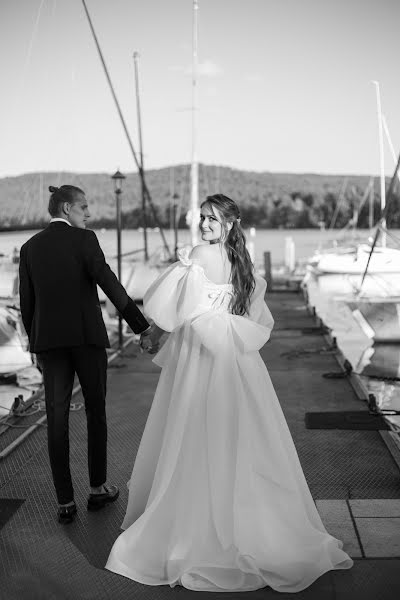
[273, 240]
[329, 295]
[329, 290]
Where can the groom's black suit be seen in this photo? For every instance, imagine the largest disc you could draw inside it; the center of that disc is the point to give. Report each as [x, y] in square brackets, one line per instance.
[59, 269]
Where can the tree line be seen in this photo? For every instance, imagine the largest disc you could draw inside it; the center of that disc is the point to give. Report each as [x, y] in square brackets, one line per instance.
[266, 200]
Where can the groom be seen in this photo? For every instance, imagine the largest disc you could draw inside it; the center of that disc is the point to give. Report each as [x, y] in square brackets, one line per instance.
[60, 268]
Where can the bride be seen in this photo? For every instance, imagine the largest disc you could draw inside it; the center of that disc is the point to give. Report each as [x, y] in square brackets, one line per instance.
[217, 499]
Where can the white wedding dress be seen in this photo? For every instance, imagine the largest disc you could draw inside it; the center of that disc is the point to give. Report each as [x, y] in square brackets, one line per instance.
[217, 498]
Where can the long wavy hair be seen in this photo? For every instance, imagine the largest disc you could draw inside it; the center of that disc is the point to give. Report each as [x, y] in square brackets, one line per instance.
[234, 241]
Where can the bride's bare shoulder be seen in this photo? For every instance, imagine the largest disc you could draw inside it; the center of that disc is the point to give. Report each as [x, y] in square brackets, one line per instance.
[201, 253]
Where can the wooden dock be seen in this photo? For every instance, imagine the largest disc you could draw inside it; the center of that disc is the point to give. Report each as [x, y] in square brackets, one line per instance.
[353, 476]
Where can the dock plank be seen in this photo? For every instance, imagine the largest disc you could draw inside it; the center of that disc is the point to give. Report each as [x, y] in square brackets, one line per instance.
[41, 559]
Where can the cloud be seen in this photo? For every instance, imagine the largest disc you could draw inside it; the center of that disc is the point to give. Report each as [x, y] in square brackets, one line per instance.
[207, 68]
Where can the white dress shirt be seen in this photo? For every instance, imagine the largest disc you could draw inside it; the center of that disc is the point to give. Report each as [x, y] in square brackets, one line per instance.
[55, 219]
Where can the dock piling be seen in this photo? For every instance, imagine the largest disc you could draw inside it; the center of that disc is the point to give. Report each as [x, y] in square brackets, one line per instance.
[268, 270]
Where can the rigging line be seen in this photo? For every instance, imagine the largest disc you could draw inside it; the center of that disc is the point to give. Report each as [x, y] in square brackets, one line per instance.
[383, 284]
[339, 203]
[171, 195]
[30, 47]
[32, 200]
[383, 216]
[20, 210]
[27, 208]
[217, 184]
[139, 122]
[389, 139]
[206, 180]
[177, 202]
[186, 189]
[138, 164]
[392, 236]
[365, 196]
[352, 222]
[181, 199]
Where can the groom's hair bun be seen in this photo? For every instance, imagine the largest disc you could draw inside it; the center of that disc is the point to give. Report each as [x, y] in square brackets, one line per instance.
[59, 195]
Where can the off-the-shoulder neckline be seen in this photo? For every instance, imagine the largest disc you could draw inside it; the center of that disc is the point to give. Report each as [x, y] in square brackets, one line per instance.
[208, 279]
[184, 259]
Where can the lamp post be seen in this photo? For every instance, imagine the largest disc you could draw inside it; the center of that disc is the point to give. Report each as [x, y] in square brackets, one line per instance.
[118, 179]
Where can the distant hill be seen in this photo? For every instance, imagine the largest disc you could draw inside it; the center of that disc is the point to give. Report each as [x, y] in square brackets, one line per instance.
[266, 199]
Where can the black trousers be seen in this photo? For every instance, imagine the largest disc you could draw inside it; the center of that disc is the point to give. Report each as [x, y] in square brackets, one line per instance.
[59, 368]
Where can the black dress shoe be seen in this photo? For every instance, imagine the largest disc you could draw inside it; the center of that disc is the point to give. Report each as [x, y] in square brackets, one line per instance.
[98, 501]
[66, 514]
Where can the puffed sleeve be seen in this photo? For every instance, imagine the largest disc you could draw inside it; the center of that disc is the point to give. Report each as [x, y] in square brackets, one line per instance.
[250, 332]
[173, 297]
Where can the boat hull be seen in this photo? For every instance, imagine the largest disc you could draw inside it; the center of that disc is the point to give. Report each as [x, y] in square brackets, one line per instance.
[379, 319]
[382, 260]
[380, 360]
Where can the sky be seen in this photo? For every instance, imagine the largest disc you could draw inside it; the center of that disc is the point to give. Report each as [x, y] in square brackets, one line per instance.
[284, 85]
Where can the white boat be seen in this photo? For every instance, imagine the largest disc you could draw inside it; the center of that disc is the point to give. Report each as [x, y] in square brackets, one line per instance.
[357, 294]
[8, 277]
[136, 279]
[336, 250]
[381, 361]
[14, 355]
[378, 318]
[383, 260]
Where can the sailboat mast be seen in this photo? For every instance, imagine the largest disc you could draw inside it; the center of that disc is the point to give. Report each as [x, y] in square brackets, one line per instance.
[135, 158]
[194, 172]
[371, 204]
[139, 121]
[389, 141]
[381, 157]
[382, 219]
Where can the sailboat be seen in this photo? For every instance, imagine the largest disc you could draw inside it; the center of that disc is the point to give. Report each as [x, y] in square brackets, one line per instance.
[137, 277]
[362, 288]
[347, 239]
[379, 318]
[383, 259]
[380, 361]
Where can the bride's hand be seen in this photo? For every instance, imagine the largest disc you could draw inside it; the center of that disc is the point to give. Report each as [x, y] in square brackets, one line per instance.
[149, 340]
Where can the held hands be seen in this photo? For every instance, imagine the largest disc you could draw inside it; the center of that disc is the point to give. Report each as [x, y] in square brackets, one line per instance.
[150, 339]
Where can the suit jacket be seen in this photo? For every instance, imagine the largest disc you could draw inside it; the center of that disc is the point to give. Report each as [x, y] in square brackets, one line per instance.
[59, 269]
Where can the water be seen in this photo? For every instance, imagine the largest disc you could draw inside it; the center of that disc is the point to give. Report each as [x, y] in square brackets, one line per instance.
[272, 240]
[328, 293]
